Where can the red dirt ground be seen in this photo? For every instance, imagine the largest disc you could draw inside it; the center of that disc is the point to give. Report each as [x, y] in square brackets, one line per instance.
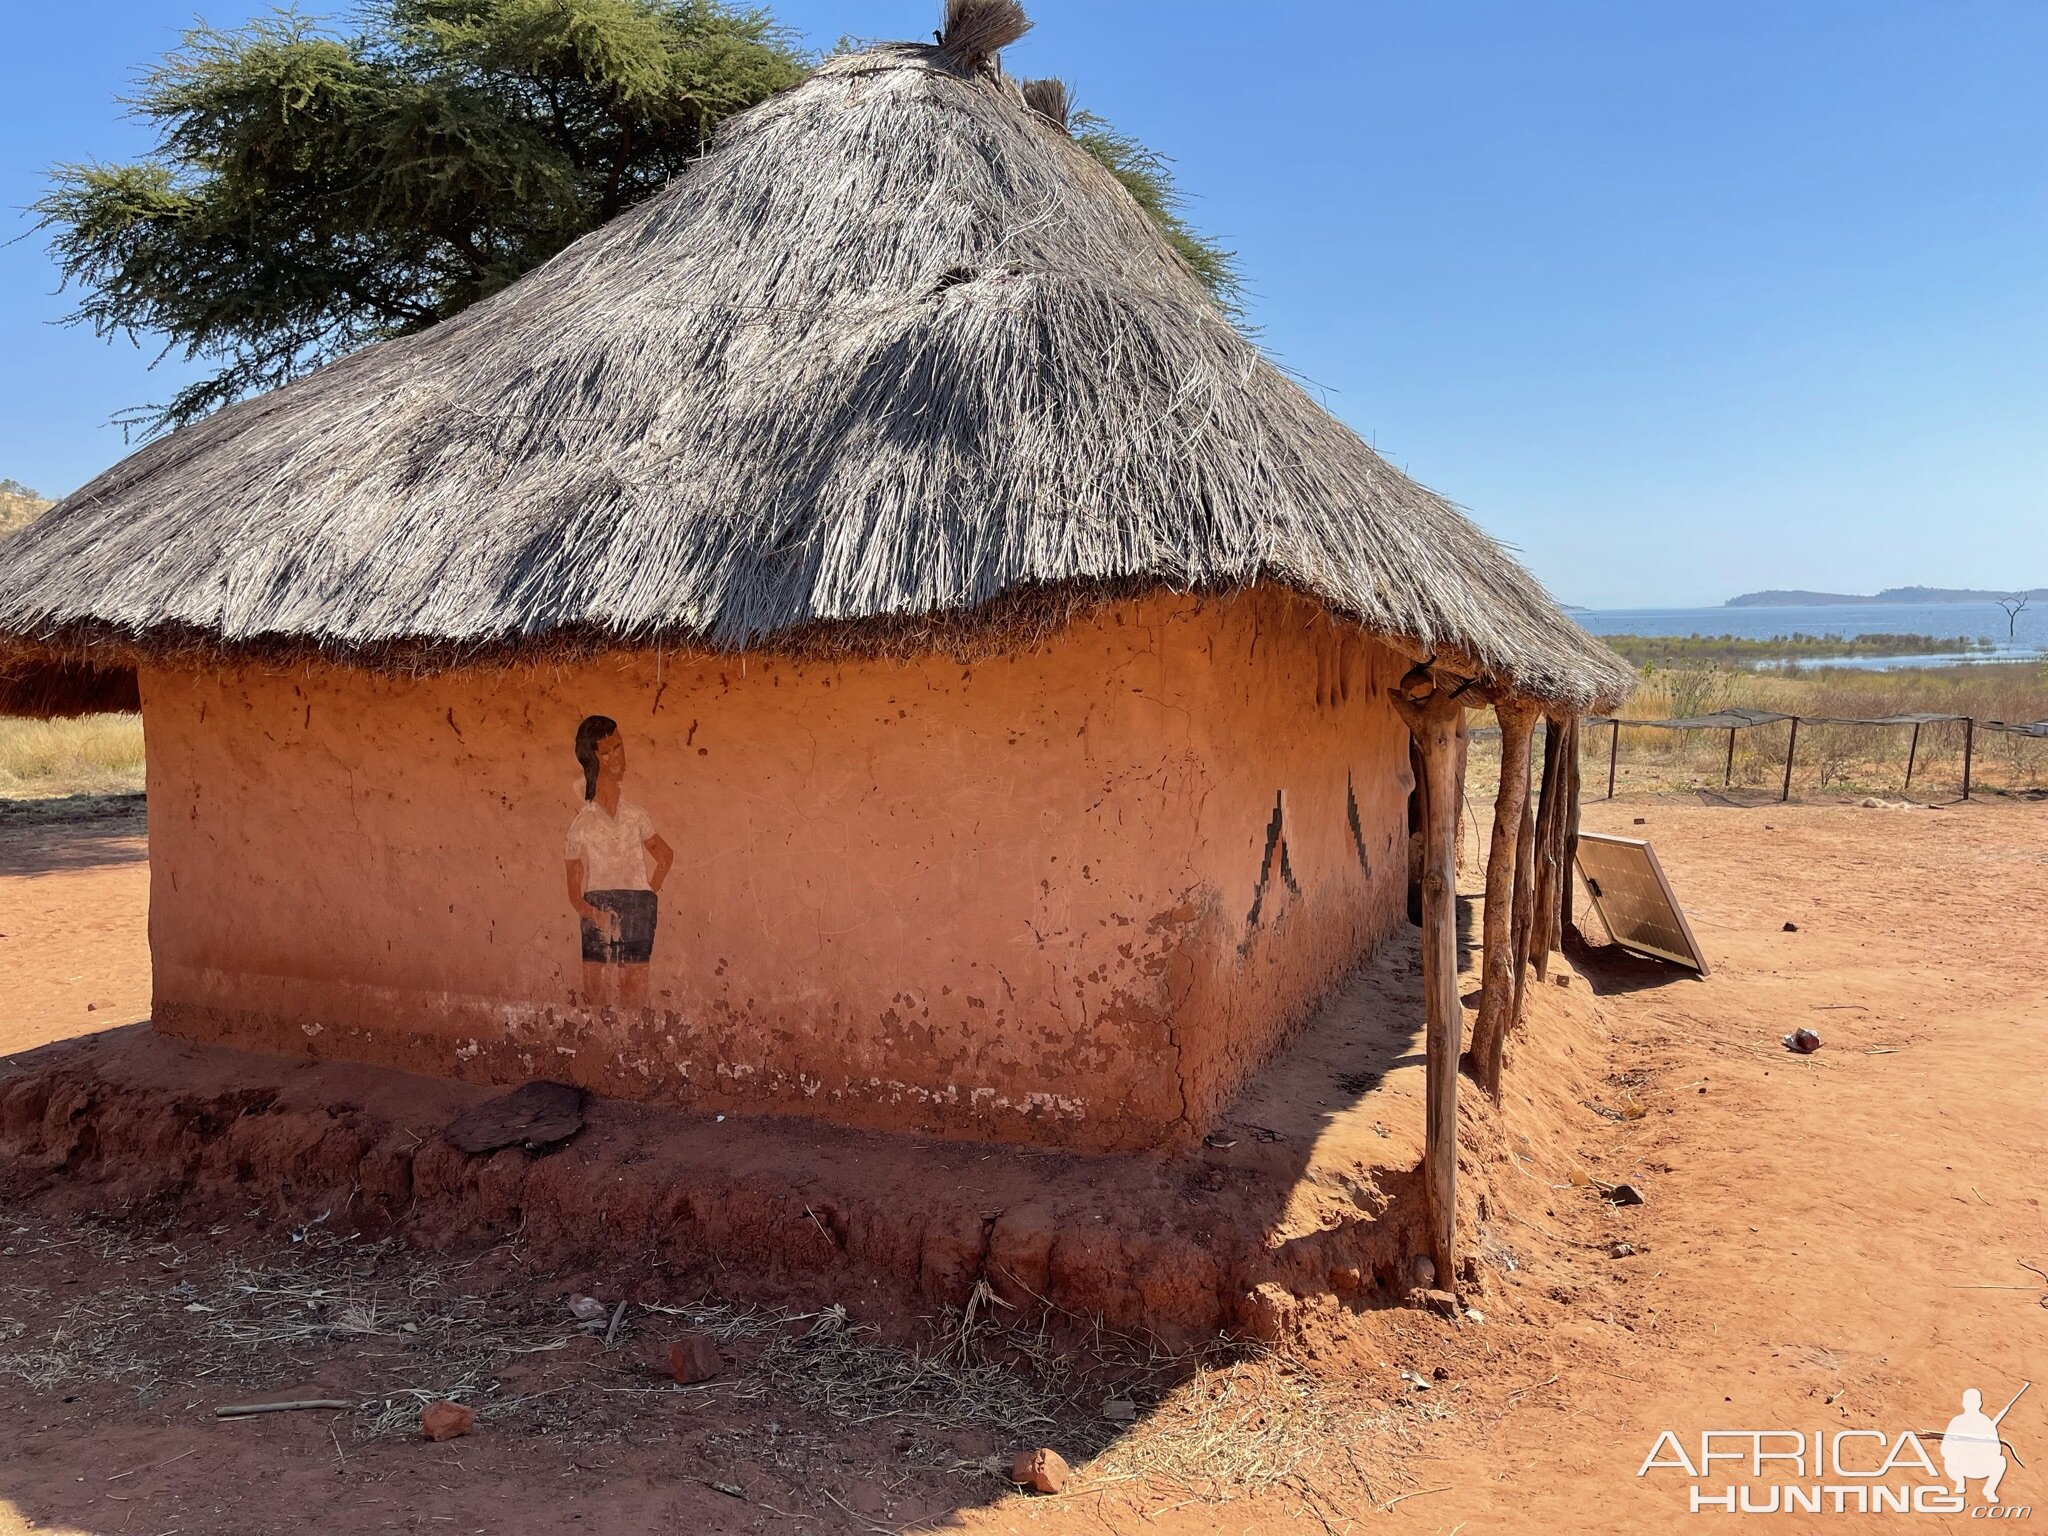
[1830, 1242]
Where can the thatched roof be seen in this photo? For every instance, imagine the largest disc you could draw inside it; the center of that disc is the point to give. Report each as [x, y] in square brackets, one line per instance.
[896, 352]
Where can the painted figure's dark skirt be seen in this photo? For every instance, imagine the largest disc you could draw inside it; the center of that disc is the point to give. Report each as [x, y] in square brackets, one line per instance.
[635, 913]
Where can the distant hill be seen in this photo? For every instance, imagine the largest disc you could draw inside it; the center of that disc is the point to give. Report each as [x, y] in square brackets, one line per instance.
[1899, 595]
[19, 506]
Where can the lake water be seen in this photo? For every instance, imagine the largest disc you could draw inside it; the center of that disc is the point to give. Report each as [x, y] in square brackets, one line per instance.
[1978, 621]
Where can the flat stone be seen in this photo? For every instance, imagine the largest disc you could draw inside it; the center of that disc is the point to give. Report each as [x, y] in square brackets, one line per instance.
[534, 1116]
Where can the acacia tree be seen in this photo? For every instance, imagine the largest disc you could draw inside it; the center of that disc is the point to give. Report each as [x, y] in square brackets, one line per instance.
[312, 191]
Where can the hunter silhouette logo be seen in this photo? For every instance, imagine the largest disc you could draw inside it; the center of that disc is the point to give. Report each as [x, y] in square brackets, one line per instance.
[1970, 1446]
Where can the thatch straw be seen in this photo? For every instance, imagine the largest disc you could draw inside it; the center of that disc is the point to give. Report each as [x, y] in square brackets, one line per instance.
[977, 30]
[1050, 100]
[894, 351]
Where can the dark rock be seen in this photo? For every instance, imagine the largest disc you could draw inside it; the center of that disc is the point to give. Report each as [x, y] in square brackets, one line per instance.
[535, 1116]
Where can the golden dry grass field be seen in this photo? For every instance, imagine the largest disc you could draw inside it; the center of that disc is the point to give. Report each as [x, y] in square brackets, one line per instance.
[92, 755]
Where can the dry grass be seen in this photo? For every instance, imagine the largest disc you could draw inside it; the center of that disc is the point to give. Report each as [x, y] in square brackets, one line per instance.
[1238, 1429]
[91, 755]
[1841, 759]
[1833, 760]
[183, 1319]
[169, 1315]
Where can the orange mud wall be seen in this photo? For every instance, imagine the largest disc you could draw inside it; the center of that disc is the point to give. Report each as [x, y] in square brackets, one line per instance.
[1070, 896]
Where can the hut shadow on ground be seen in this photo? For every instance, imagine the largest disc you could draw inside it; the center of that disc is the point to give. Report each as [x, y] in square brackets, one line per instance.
[67, 832]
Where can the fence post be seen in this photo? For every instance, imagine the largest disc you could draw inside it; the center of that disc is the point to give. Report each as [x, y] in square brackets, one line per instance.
[1728, 768]
[1792, 746]
[1912, 753]
[1613, 751]
[1969, 746]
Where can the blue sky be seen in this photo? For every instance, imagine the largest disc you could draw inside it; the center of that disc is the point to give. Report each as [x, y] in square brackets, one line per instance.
[1678, 297]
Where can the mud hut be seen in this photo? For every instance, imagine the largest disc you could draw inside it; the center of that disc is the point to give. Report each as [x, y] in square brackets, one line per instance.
[861, 635]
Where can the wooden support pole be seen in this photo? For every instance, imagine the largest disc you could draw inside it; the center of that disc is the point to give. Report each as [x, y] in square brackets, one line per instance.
[1912, 754]
[1728, 768]
[1434, 715]
[1613, 752]
[1969, 748]
[1497, 945]
[1791, 746]
[1568, 853]
[1549, 846]
[1525, 897]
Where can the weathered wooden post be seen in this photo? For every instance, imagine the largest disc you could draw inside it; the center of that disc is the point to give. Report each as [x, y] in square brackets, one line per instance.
[1543, 926]
[1497, 952]
[1791, 746]
[1432, 713]
[1613, 753]
[1525, 898]
[1568, 852]
[1912, 754]
[1728, 768]
[1969, 749]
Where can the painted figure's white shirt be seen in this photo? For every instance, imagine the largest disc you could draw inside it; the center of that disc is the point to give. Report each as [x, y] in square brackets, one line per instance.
[612, 849]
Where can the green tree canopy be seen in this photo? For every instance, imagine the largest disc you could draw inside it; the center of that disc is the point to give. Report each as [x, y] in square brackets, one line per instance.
[313, 191]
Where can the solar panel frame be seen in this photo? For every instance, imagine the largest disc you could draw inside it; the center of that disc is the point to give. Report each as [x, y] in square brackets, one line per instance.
[1629, 868]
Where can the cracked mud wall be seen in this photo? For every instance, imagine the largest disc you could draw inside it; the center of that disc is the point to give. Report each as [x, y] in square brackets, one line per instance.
[1006, 900]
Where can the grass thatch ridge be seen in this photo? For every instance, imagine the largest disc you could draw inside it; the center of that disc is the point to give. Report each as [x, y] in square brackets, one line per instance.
[975, 31]
[896, 351]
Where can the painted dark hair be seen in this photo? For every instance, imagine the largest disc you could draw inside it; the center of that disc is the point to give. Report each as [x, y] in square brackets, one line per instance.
[593, 730]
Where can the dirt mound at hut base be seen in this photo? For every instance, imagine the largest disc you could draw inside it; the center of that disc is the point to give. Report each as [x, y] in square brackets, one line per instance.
[1304, 1202]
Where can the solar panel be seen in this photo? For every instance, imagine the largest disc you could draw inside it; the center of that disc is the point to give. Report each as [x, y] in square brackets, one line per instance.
[1635, 901]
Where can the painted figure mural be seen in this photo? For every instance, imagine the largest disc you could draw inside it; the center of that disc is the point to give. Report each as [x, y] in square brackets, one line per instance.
[616, 864]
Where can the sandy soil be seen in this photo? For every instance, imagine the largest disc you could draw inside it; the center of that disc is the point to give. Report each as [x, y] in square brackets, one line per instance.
[1834, 1242]
[74, 918]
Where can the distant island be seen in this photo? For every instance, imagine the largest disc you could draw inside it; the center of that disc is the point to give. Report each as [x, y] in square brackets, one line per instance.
[1900, 595]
